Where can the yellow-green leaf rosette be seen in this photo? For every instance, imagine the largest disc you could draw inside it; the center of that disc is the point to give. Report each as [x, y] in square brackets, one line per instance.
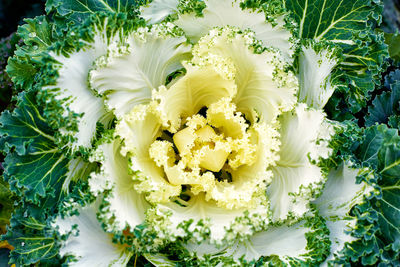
[217, 135]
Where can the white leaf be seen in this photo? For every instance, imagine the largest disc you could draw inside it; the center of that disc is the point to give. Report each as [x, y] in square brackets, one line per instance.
[158, 10]
[91, 246]
[129, 78]
[219, 13]
[300, 131]
[315, 70]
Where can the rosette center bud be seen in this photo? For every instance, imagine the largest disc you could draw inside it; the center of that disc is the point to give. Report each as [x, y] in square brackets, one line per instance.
[205, 140]
[208, 147]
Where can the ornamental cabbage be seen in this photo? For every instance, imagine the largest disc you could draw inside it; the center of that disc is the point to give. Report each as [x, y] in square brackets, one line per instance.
[185, 132]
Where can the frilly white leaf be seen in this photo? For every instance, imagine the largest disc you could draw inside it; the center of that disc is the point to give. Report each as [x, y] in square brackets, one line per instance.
[88, 243]
[128, 78]
[219, 13]
[340, 194]
[315, 68]
[74, 93]
[294, 172]
[218, 220]
[263, 87]
[283, 241]
[158, 10]
[139, 129]
[125, 203]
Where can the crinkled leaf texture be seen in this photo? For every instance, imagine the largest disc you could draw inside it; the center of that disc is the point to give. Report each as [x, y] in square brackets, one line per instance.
[386, 106]
[293, 172]
[38, 173]
[31, 236]
[349, 25]
[158, 10]
[38, 34]
[34, 167]
[129, 78]
[379, 224]
[225, 12]
[87, 242]
[340, 194]
[316, 63]
[71, 90]
[78, 10]
[377, 227]
[125, 207]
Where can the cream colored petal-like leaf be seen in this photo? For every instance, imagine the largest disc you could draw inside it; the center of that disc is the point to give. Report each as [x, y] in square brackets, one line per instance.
[128, 78]
[294, 173]
[89, 244]
[158, 10]
[77, 169]
[126, 205]
[283, 241]
[200, 87]
[340, 194]
[315, 70]
[218, 220]
[286, 242]
[264, 87]
[219, 13]
[139, 129]
[74, 93]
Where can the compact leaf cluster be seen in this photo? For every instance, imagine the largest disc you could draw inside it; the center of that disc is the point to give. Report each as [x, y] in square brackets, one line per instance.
[203, 133]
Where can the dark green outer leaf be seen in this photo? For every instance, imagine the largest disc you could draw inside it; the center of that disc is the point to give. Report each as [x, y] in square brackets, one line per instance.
[394, 121]
[32, 237]
[373, 141]
[7, 204]
[78, 10]
[7, 48]
[393, 41]
[389, 205]
[388, 103]
[38, 35]
[349, 24]
[379, 225]
[34, 167]
[330, 20]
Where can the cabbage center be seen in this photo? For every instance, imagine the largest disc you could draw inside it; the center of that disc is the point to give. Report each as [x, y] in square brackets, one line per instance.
[216, 152]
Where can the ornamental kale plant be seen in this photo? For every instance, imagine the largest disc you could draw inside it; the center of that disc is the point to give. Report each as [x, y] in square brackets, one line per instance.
[203, 133]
